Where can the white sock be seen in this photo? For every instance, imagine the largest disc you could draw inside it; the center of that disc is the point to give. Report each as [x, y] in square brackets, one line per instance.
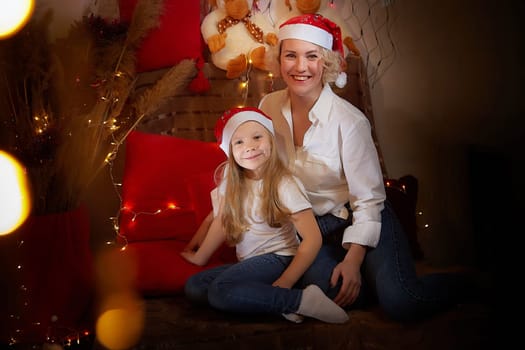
[295, 318]
[314, 303]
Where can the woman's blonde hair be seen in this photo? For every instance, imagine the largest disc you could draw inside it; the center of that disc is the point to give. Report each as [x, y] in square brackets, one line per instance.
[333, 63]
[272, 209]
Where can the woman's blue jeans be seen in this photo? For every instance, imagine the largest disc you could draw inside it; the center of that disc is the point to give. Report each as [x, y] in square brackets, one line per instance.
[388, 272]
[388, 277]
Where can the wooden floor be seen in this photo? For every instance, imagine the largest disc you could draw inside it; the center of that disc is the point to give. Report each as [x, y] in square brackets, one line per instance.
[174, 323]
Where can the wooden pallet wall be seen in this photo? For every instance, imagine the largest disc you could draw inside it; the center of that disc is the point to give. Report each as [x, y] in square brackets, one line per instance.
[193, 116]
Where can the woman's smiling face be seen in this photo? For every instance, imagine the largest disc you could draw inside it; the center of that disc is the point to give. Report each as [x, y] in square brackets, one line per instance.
[301, 66]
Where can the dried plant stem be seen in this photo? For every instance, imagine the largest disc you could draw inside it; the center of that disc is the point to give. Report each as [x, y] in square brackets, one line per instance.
[83, 86]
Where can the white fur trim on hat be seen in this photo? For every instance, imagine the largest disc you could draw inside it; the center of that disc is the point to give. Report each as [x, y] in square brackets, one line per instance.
[239, 118]
[307, 32]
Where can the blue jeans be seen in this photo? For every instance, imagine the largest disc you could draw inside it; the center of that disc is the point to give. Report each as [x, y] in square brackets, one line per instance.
[388, 272]
[388, 277]
[245, 287]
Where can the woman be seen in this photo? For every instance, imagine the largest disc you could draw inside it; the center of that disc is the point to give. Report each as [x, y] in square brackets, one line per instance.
[261, 207]
[327, 143]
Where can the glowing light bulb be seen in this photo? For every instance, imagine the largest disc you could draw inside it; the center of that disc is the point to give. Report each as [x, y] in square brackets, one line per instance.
[14, 15]
[15, 201]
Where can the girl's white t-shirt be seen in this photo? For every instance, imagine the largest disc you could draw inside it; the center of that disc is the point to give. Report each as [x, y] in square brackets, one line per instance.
[260, 238]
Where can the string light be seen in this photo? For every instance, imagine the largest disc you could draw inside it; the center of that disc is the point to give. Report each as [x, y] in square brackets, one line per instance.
[55, 333]
[396, 185]
[127, 208]
[425, 225]
[244, 84]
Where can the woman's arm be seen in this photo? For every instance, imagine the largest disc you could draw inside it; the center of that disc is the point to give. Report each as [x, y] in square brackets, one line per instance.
[307, 227]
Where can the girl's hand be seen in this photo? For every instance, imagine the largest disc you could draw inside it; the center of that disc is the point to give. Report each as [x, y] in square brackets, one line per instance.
[282, 283]
[192, 258]
[199, 236]
[193, 245]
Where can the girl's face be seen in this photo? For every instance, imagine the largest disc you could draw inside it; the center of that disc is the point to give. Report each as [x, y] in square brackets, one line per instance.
[251, 147]
[301, 67]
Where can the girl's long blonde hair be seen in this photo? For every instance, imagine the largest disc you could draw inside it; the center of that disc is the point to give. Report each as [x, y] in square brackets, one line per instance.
[272, 209]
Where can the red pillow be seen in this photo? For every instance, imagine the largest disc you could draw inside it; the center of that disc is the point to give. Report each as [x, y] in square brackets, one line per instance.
[161, 270]
[166, 194]
[166, 186]
[177, 37]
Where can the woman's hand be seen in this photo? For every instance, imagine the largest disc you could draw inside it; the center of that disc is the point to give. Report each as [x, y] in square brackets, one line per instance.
[350, 275]
[349, 271]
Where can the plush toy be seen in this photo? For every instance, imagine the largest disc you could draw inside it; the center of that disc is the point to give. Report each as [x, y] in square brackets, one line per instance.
[274, 10]
[324, 8]
[236, 36]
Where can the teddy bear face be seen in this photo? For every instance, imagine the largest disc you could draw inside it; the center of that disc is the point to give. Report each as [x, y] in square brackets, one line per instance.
[237, 9]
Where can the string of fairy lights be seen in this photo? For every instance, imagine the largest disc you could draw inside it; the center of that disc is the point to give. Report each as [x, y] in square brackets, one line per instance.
[243, 87]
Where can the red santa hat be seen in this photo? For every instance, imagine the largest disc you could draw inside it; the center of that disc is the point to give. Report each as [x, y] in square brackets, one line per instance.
[231, 119]
[318, 30]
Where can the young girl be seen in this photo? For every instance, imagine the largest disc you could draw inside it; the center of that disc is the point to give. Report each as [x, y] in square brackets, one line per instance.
[261, 208]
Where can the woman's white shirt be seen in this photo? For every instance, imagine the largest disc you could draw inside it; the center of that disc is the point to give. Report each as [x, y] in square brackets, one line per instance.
[337, 163]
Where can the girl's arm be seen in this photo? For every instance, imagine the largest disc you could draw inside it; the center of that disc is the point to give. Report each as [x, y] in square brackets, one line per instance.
[199, 236]
[213, 240]
[307, 227]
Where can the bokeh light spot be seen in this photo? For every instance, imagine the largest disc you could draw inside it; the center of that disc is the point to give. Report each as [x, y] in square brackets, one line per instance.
[14, 14]
[15, 202]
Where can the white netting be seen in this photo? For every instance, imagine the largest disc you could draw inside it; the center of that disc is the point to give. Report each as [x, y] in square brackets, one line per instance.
[370, 23]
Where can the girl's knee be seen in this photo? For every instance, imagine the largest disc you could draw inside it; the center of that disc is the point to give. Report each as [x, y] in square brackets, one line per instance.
[195, 291]
[218, 296]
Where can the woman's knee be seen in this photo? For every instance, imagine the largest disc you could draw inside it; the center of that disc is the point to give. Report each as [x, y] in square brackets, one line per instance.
[400, 302]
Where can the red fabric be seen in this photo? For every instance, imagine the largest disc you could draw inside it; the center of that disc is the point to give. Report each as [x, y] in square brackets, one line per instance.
[178, 36]
[55, 278]
[200, 83]
[160, 268]
[160, 170]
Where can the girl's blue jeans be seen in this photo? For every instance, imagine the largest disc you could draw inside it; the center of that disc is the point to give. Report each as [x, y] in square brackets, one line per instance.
[388, 277]
[246, 286]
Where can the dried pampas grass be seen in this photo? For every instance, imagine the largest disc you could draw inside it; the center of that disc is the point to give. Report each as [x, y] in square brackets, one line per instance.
[66, 107]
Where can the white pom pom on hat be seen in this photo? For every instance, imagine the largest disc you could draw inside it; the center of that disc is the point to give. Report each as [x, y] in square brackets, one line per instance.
[318, 30]
[340, 82]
